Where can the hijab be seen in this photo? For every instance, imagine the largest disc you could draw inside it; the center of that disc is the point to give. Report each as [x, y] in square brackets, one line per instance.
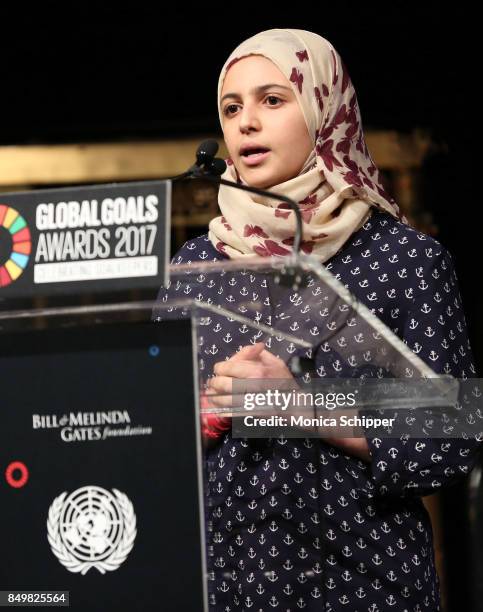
[337, 186]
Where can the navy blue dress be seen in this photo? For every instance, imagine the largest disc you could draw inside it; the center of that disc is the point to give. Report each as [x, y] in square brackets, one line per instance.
[296, 524]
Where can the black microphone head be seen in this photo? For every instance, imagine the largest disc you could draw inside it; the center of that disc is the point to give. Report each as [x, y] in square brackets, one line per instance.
[217, 167]
[206, 151]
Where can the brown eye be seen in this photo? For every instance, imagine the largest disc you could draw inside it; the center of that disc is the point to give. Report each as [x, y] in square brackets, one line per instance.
[227, 110]
[276, 98]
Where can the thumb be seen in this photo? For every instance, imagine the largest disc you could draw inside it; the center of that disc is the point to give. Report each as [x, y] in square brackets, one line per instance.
[268, 359]
[277, 366]
[251, 351]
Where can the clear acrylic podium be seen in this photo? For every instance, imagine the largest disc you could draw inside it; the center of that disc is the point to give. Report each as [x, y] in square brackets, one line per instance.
[310, 321]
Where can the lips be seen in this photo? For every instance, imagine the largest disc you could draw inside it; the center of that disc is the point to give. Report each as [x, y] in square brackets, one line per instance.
[250, 149]
[253, 154]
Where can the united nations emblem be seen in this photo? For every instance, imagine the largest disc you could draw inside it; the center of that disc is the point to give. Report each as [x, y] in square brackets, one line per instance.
[91, 527]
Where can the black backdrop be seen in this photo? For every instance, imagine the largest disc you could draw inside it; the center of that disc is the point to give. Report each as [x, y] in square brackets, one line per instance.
[81, 71]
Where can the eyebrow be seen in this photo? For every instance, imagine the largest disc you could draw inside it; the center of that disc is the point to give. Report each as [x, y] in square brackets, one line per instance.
[256, 90]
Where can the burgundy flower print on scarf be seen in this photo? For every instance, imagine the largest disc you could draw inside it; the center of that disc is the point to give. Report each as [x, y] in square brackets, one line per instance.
[339, 182]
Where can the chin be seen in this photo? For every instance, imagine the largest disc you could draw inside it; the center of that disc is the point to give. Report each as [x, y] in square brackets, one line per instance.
[260, 182]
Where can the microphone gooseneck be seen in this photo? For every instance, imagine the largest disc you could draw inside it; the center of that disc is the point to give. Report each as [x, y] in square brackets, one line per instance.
[218, 166]
[211, 168]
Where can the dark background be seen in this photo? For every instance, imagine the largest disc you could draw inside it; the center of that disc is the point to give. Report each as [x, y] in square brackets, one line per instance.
[80, 73]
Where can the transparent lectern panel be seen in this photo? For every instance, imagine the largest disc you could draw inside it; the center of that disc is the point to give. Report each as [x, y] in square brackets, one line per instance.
[304, 304]
[269, 501]
[260, 527]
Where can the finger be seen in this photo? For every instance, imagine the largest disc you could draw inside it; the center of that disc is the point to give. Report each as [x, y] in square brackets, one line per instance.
[276, 366]
[246, 353]
[217, 365]
[221, 384]
[251, 351]
[241, 369]
[218, 401]
[269, 359]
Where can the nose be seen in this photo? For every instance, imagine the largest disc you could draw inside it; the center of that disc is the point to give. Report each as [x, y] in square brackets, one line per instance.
[249, 119]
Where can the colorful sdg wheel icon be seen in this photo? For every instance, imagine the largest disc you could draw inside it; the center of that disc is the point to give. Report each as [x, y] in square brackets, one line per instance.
[15, 224]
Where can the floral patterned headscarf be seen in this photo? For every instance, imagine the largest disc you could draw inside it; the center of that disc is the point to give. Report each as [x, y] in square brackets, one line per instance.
[339, 182]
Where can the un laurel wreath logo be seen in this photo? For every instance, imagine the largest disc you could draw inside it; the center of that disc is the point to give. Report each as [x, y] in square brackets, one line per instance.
[91, 528]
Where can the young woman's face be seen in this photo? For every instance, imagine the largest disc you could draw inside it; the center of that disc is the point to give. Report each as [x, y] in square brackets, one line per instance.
[259, 109]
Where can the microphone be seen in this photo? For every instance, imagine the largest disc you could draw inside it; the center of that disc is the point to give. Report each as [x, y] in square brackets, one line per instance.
[205, 161]
[216, 167]
[205, 155]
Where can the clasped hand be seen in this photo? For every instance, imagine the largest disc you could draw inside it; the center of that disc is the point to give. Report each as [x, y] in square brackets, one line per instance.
[256, 362]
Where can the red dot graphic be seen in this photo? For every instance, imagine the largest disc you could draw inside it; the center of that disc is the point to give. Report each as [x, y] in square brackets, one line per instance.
[13, 479]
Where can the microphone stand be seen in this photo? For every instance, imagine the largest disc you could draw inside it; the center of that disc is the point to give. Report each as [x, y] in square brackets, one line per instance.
[289, 275]
[293, 206]
[209, 167]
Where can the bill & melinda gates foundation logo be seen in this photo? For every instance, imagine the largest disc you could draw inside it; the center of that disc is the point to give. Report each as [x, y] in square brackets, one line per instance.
[15, 245]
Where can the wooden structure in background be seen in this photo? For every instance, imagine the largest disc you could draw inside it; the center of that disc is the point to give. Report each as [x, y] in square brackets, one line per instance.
[35, 166]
